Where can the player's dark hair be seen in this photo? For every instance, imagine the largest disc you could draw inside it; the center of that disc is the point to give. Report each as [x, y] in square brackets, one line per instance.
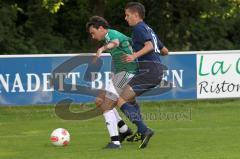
[96, 22]
[136, 7]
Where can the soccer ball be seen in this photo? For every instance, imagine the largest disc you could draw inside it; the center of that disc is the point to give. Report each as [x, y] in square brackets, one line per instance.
[60, 137]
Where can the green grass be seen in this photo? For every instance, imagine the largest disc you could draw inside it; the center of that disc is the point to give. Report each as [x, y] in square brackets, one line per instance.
[183, 130]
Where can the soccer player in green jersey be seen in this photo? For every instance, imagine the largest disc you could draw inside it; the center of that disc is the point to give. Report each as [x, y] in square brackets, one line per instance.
[117, 44]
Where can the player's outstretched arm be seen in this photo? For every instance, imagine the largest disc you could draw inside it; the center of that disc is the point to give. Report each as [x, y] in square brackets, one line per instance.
[112, 44]
[105, 47]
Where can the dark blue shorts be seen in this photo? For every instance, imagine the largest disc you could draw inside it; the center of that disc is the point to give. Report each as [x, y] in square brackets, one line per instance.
[149, 75]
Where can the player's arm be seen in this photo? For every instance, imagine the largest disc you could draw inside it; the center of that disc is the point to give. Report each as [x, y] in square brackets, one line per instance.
[112, 44]
[148, 47]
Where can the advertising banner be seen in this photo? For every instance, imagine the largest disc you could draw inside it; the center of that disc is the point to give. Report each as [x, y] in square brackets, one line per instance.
[48, 79]
[218, 75]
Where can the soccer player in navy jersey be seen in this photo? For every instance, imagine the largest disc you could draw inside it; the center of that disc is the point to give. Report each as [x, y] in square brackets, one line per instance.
[147, 50]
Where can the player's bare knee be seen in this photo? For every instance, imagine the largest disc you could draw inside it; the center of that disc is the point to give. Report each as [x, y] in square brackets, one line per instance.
[120, 102]
[98, 102]
[128, 95]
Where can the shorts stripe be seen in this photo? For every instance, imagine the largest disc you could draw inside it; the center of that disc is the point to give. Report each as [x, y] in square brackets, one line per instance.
[123, 80]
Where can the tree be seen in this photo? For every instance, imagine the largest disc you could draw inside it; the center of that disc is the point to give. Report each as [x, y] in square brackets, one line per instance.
[52, 5]
[58, 26]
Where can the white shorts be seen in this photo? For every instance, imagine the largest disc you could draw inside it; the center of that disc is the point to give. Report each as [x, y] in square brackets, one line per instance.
[116, 85]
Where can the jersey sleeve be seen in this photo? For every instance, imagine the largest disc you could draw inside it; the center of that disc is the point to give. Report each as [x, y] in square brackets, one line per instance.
[142, 35]
[160, 44]
[112, 36]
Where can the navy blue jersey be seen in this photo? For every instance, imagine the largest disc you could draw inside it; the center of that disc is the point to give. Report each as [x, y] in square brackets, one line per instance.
[141, 34]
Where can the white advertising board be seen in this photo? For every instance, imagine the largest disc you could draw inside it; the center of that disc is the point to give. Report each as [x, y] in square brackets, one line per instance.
[218, 75]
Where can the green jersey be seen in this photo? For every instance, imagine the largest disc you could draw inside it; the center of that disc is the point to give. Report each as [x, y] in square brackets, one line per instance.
[117, 52]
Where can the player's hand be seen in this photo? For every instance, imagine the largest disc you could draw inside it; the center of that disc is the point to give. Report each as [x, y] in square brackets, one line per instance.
[128, 58]
[164, 51]
[98, 54]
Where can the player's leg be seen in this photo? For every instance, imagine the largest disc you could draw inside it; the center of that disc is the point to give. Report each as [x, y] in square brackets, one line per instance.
[120, 80]
[140, 83]
[130, 109]
[100, 98]
[137, 135]
[133, 112]
[110, 118]
[124, 130]
[111, 122]
[111, 115]
[121, 124]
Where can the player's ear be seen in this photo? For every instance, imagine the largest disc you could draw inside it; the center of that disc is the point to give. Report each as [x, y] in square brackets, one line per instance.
[133, 15]
[136, 14]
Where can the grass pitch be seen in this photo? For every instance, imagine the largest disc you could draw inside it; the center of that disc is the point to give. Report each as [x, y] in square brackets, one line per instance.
[183, 130]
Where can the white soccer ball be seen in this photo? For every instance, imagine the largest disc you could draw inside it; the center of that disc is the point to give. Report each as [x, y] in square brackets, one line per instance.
[60, 137]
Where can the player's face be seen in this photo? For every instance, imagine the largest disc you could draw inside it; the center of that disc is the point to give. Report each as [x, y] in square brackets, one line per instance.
[130, 17]
[97, 34]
